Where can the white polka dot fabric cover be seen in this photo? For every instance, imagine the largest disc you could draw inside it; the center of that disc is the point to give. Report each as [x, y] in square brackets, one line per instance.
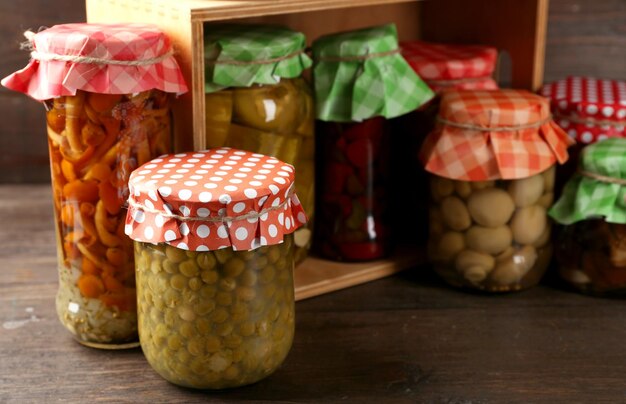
[213, 199]
[588, 109]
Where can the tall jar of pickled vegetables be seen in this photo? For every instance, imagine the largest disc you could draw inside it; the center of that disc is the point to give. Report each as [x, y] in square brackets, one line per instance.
[256, 100]
[589, 110]
[107, 91]
[591, 246]
[442, 67]
[360, 82]
[492, 160]
[214, 261]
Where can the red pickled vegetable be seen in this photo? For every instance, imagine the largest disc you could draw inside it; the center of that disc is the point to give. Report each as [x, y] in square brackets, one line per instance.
[337, 174]
[362, 251]
[360, 153]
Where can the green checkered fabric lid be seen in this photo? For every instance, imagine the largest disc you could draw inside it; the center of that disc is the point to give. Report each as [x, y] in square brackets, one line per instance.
[361, 74]
[237, 55]
[598, 189]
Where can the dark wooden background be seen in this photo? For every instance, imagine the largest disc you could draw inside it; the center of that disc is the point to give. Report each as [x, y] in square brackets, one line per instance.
[586, 37]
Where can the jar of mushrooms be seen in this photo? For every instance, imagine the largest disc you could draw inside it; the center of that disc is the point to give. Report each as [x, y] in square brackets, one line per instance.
[492, 163]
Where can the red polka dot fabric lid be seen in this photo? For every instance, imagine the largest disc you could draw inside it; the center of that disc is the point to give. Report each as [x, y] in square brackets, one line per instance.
[588, 109]
[213, 199]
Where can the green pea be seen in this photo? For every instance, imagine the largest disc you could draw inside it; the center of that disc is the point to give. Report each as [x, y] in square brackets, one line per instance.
[195, 284]
[189, 268]
[206, 260]
[223, 255]
[228, 284]
[248, 278]
[186, 330]
[267, 274]
[182, 356]
[178, 282]
[204, 307]
[171, 298]
[186, 313]
[224, 329]
[170, 267]
[219, 315]
[234, 267]
[195, 346]
[212, 344]
[247, 329]
[224, 299]
[232, 372]
[207, 292]
[209, 276]
[273, 254]
[203, 326]
[174, 342]
[174, 254]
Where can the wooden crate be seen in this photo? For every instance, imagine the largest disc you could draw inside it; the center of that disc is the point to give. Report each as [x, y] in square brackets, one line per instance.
[516, 27]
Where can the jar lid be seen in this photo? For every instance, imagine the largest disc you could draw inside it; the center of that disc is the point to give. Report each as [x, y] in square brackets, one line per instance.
[588, 109]
[444, 66]
[361, 74]
[598, 189]
[213, 199]
[499, 134]
[100, 58]
[238, 55]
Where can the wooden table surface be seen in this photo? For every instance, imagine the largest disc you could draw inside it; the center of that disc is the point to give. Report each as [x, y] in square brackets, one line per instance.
[407, 338]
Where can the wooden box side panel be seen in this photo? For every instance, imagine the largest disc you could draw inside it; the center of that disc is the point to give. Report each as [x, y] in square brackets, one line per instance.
[518, 27]
[175, 21]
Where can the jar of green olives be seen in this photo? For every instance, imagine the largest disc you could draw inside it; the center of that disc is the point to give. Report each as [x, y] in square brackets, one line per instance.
[214, 257]
[492, 162]
[256, 100]
[360, 81]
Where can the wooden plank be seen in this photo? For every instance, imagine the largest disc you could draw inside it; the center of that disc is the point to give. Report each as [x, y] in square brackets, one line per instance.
[517, 27]
[317, 276]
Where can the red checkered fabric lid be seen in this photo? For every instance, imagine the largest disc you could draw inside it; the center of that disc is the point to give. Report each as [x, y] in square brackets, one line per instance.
[442, 66]
[213, 199]
[487, 135]
[588, 109]
[100, 58]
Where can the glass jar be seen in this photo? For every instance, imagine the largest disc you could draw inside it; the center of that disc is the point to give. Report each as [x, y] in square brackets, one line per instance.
[108, 112]
[215, 319]
[214, 261]
[591, 257]
[491, 235]
[354, 202]
[492, 161]
[361, 82]
[591, 241]
[95, 142]
[275, 120]
[442, 67]
[272, 117]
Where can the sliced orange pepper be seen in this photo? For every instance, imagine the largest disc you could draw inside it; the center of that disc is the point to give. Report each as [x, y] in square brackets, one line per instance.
[103, 102]
[79, 159]
[67, 215]
[82, 191]
[107, 238]
[110, 196]
[93, 134]
[71, 250]
[68, 171]
[87, 212]
[89, 268]
[116, 256]
[73, 113]
[90, 286]
[111, 284]
[98, 171]
[125, 300]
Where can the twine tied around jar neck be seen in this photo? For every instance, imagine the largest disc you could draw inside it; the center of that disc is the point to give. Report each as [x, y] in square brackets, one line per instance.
[356, 58]
[218, 219]
[601, 178]
[591, 121]
[234, 62]
[494, 129]
[453, 82]
[44, 56]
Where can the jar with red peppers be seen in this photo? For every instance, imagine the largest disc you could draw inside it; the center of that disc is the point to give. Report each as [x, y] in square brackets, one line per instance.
[442, 67]
[591, 245]
[106, 90]
[360, 82]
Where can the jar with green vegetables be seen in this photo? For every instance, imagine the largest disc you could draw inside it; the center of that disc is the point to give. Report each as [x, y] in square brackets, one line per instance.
[256, 100]
[591, 245]
[214, 256]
